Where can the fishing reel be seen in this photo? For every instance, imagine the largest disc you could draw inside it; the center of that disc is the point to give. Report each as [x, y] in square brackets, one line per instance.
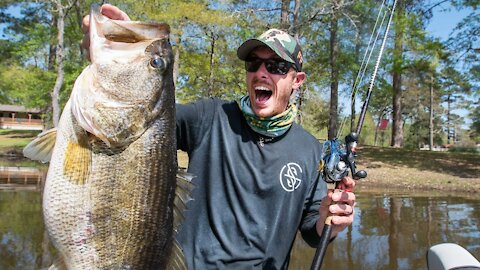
[338, 159]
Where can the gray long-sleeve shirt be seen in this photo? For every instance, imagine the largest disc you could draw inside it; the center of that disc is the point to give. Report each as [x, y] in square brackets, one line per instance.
[251, 194]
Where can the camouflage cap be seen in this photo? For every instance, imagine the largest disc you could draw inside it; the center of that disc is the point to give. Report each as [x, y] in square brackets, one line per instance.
[280, 42]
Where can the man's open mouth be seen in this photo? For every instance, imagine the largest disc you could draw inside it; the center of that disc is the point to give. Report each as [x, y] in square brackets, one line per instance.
[262, 94]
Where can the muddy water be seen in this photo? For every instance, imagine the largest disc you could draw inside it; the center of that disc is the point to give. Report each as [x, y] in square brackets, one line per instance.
[394, 231]
[391, 231]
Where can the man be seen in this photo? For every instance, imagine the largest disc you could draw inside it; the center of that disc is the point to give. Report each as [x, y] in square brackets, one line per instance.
[257, 180]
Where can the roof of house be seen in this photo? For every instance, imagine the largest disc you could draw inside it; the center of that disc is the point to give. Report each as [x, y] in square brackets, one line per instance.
[17, 108]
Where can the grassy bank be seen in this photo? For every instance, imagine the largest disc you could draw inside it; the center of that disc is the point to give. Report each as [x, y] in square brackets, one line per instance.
[13, 141]
[419, 170]
[413, 170]
[387, 168]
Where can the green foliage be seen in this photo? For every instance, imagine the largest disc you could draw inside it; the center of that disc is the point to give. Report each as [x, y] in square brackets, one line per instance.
[315, 115]
[26, 85]
[475, 127]
[202, 30]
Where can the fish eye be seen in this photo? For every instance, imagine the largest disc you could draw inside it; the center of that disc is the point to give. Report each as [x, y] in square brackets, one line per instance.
[158, 63]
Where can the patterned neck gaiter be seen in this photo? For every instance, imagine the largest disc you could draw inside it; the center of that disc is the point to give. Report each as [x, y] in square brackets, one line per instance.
[271, 126]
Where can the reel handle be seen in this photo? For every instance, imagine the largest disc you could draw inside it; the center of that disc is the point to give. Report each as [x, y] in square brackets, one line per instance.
[351, 147]
[359, 175]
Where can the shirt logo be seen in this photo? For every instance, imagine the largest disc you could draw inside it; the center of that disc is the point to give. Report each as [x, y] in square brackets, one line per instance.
[289, 176]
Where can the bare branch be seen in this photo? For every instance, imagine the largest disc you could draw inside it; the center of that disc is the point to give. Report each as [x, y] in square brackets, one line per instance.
[428, 10]
[352, 21]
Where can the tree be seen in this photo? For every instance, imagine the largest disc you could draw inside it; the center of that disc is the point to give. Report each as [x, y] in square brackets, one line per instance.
[475, 126]
[334, 51]
[316, 115]
[29, 70]
[455, 86]
[329, 27]
[397, 126]
[463, 42]
[62, 10]
[200, 33]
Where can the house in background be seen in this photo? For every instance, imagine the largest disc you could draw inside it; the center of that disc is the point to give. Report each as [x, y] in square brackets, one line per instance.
[19, 117]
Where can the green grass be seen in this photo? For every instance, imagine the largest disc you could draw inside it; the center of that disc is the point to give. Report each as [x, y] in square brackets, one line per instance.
[14, 140]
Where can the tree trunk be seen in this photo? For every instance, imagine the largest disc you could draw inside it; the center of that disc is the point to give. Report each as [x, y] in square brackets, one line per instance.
[354, 92]
[212, 64]
[377, 128]
[296, 21]
[79, 15]
[332, 122]
[60, 72]
[52, 48]
[301, 98]
[296, 34]
[431, 115]
[284, 14]
[449, 125]
[176, 63]
[397, 126]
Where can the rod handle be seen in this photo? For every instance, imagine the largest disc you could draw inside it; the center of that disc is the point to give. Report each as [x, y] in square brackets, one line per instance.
[322, 245]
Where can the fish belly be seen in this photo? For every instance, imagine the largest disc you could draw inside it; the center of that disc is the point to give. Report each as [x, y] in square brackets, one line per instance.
[111, 208]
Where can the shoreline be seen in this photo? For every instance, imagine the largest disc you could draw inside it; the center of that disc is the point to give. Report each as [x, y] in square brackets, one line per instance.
[412, 181]
[386, 171]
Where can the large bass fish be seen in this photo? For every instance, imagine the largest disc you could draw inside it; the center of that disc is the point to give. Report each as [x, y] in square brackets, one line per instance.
[112, 191]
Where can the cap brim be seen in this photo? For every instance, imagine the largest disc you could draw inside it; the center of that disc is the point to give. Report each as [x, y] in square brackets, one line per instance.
[244, 50]
[248, 46]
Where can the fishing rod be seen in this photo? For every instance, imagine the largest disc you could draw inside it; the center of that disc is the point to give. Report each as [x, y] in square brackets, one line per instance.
[339, 159]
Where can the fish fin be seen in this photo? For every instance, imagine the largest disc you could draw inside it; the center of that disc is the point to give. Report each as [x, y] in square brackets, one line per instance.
[182, 196]
[78, 162]
[176, 259]
[183, 190]
[58, 264]
[41, 148]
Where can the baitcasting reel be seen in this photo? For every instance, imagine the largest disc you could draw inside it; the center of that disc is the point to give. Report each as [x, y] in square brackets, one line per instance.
[339, 158]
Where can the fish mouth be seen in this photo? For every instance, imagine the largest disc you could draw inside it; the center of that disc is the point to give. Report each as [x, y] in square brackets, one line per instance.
[262, 94]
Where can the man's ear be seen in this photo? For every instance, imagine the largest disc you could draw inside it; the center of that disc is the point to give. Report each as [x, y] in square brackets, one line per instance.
[299, 79]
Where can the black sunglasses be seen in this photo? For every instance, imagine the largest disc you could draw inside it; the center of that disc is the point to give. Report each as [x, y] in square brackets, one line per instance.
[274, 66]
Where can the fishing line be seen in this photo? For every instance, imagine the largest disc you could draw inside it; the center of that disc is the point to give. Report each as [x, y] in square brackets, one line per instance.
[368, 50]
[338, 162]
[374, 75]
[366, 60]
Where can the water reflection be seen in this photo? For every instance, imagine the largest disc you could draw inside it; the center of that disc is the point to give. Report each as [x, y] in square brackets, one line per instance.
[15, 177]
[394, 231]
[23, 242]
[391, 231]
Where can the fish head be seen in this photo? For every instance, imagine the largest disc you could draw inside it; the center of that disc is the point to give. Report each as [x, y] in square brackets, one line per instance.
[129, 82]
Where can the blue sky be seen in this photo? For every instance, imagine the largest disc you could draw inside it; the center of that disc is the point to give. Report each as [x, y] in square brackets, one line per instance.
[443, 22]
[440, 26]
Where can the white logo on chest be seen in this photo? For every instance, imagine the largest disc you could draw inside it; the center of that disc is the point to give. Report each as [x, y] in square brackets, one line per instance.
[289, 176]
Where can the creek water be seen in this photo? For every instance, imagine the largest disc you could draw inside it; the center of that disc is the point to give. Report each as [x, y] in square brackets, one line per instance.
[392, 230]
